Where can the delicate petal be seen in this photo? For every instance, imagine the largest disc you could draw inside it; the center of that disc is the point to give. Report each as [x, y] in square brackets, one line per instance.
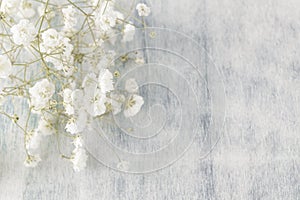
[79, 159]
[133, 105]
[23, 32]
[143, 10]
[41, 93]
[131, 86]
[105, 80]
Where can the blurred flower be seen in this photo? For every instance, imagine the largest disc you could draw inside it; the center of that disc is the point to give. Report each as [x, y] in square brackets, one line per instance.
[23, 33]
[79, 159]
[41, 93]
[133, 105]
[143, 9]
[131, 86]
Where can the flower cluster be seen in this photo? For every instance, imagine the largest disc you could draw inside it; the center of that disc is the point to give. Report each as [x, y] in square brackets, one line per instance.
[52, 56]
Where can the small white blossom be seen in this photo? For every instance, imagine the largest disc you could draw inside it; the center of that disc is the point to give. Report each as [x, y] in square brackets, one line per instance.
[51, 39]
[26, 10]
[143, 9]
[46, 126]
[41, 93]
[78, 142]
[23, 33]
[95, 103]
[9, 6]
[79, 159]
[116, 101]
[59, 49]
[32, 160]
[89, 82]
[133, 105]
[77, 123]
[5, 66]
[128, 33]
[105, 80]
[70, 19]
[106, 17]
[131, 86]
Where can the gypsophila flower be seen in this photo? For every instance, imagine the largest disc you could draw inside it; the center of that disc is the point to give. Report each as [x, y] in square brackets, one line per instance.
[77, 142]
[46, 125]
[128, 33]
[106, 17]
[23, 33]
[133, 105]
[76, 124]
[57, 56]
[95, 102]
[26, 10]
[9, 6]
[143, 9]
[5, 66]
[79, 159]
[116, 101]
[105, 81]
[131, 86]
[41, 93]
[70, 19]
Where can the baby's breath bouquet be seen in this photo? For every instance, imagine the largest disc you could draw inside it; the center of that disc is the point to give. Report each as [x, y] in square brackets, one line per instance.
[52, 55]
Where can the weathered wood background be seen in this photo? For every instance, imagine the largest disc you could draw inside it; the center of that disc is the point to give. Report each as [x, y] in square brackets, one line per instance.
[256, 45]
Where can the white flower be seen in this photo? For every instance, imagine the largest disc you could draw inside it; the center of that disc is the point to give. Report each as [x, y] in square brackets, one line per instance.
[131, 86]
[128, 33]
[89, 82]
[105, 80]
[95, 103]
[9, 6]
[26, 10]
[77, 123]
[41, 93]
[46, 126]
[67, 101]
[106, 17]
[51, 39]
[32, 160]
[79, 159]
[5, 66]
[32, 140]
[143, 9]
[23, 32]
[77, 98]
[59, 49]
[116, 101]
[70, 19]
[78, 142]
[133, 105]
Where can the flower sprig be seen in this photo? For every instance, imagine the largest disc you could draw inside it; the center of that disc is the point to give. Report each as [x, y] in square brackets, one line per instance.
[52, 55]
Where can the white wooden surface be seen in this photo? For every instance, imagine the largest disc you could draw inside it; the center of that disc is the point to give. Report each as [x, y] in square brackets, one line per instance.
[255, 44]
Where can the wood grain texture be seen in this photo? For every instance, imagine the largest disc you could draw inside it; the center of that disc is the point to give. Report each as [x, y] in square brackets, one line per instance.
[255, 44]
